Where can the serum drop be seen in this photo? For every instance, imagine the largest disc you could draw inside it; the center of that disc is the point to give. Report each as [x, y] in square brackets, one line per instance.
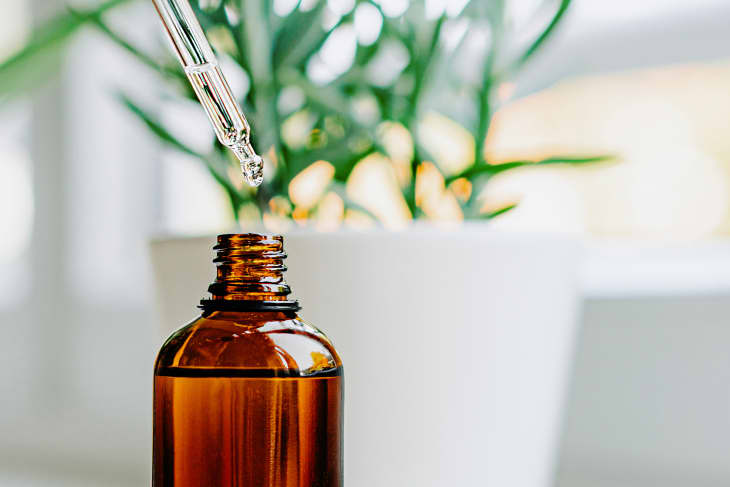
[248, 394]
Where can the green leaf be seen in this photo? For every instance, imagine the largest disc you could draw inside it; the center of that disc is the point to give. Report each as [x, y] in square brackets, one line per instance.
[339, 153]
[326, 98]
[40, 57]
[498, 212]
[393, 27]
[209, 18]
[492, 169]
[155, 127]
[299, 35]
[215, 165]
[311, 39]
[95, 19]
[540, 40]
[348, 160]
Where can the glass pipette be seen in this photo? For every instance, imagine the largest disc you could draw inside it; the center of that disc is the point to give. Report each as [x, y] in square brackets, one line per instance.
[210, 86]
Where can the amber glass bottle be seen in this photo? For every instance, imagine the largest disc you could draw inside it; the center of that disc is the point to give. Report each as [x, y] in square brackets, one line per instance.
[248, 394]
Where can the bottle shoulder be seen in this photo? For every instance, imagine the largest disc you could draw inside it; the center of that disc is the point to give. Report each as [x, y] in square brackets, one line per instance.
[275, 343]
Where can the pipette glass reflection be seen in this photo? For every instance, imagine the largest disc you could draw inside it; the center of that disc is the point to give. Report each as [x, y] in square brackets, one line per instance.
[201, 67]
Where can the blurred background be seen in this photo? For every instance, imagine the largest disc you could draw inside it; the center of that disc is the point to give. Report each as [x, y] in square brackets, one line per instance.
[84, 186]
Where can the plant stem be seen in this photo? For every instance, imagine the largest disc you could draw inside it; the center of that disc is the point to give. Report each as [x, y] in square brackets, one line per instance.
[421, 70]
[488, 80]
[257, 28]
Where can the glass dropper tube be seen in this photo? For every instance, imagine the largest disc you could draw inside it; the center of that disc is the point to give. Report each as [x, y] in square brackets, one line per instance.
[210, 86]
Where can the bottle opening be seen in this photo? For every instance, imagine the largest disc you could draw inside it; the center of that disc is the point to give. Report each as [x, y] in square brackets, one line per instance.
[249, 274]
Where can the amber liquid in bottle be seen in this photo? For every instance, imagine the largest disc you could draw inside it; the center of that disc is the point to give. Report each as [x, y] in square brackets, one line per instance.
[248, 395]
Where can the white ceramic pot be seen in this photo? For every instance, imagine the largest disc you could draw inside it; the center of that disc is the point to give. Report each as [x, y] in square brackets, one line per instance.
[456, 345]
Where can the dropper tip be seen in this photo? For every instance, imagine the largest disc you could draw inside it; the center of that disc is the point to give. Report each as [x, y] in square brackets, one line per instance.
[252, 164]
[253, 170]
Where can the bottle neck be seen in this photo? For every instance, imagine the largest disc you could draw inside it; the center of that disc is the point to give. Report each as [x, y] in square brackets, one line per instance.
[249, 274]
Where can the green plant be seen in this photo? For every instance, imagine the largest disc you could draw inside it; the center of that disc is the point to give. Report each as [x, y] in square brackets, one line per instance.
[275, 52]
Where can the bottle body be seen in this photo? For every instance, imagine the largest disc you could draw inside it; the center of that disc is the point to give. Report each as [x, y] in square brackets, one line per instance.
[248, 394]
[248, 399]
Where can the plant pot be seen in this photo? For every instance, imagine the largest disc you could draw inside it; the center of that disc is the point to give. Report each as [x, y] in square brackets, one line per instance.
[456, 344]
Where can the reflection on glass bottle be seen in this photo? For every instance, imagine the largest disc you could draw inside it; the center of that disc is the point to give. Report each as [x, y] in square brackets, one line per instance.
[248, 394]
